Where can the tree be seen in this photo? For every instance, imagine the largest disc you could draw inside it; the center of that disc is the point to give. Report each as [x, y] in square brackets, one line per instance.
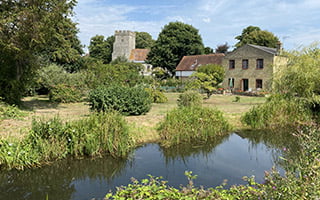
[223, 48]
[64, 47]
[144, 40]
[208, 50]
[175, 41]
[254, 35]
[207, 78]
[27, 28]
[101, 48]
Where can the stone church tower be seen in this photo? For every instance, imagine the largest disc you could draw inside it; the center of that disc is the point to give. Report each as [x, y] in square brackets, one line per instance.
[125, 41]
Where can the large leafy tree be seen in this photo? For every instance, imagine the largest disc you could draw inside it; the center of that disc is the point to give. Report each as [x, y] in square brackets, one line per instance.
[101, 48]
[27, 29]
[222, 48]
[175, 41]
[254, 35]
[144, 40]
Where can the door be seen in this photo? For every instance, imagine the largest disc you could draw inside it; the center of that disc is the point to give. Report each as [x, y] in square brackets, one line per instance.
[245, 84]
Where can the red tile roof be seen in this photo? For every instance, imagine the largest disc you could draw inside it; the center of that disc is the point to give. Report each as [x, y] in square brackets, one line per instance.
[139, 54]
[190, 63]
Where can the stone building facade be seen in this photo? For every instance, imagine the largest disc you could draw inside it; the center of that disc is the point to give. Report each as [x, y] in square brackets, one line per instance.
[252, 68]
[125, 42]
[125, 46]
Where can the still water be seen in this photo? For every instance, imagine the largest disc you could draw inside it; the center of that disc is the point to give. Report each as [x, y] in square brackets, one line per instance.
[231, 158]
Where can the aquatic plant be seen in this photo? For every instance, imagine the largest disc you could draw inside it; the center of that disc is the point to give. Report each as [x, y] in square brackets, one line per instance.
[99, 134]
[188, 124]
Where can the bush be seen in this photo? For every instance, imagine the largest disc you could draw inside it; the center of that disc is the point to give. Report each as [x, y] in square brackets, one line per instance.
[277, 112]
[65, 94]
[190, 98]
[156, 96]
[10, 112]
[126, 100]
[190, 124]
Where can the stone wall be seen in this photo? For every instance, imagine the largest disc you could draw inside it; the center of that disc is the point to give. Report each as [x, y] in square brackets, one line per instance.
[252, 73]
[125, 41]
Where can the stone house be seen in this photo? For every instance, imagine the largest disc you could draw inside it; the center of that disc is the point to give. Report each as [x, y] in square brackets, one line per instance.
[125, 46]
[252, 68]
[189, 64]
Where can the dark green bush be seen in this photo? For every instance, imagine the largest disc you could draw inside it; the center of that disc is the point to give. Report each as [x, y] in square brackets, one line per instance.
[190, 98]
[126, 100]
[191, 124]
[65, 94]
[156, 96]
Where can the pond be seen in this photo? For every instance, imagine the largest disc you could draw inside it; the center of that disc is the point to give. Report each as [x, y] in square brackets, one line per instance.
[230, 157]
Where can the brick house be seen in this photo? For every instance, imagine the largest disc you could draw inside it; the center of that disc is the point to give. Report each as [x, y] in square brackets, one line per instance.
[189, 64]
[252, 67]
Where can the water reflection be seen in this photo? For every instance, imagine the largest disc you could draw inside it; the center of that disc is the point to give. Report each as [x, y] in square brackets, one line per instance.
[230, 157]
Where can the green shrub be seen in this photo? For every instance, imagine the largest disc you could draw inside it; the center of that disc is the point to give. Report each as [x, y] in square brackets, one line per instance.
[156, 96]
[277, 112]
[126, 100]
[190, 98]
[190, 124]
[65, 94]
[10, 112]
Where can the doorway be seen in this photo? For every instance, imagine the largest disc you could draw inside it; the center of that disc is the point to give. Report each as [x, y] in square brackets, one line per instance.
[245, 84]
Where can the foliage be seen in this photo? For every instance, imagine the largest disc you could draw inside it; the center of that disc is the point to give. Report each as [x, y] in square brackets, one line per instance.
[277, 112]
[126, 100]
[156, 95]
[199, 124]
[10, 112]
[222, 48]
[208, 50]
[254, 35]
[65, 94]
[127, 74]
[144, 40]
[100, 133]
[207, 78]
[27, 28]
[175, 41]
[101, 48]
[52, 75]
[190, 98]
[160, 73]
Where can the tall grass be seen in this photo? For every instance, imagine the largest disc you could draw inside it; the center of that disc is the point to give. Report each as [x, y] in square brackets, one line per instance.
[190, 124]
[277, 112]
[100, 133]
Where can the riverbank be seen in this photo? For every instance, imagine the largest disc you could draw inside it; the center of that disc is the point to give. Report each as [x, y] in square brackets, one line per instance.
[143, 126]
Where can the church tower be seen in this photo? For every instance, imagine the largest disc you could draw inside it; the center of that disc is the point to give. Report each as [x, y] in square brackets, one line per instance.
[124, 42]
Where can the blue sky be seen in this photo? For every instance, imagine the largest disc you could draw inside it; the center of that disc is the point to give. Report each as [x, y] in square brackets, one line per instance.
[295, 22]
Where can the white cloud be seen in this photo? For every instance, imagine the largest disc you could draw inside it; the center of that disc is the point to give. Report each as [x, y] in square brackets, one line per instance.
[218, 21]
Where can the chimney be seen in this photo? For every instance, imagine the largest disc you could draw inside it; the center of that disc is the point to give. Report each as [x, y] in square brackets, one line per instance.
[279, 48]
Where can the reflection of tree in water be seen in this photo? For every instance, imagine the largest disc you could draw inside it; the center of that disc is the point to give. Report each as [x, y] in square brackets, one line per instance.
[279, 143]
[185, 150]
[56, 180]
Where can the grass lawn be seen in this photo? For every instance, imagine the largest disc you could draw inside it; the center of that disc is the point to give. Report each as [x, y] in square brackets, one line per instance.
[144, 126]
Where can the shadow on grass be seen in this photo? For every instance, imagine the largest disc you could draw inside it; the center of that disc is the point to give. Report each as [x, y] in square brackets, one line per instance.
[38, 103]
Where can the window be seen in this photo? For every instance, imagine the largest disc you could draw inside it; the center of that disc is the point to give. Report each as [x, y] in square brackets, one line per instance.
[259, 84]
[259, 63]
[232, 64]
[245, 64]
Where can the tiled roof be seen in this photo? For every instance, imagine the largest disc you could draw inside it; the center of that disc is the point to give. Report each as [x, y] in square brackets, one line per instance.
[139, 54]
[266, 49]
[190, 63]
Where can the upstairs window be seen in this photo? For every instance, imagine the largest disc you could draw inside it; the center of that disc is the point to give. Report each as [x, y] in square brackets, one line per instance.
[258, 83]
[259, 63]
[232, 64]
[245, 64]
